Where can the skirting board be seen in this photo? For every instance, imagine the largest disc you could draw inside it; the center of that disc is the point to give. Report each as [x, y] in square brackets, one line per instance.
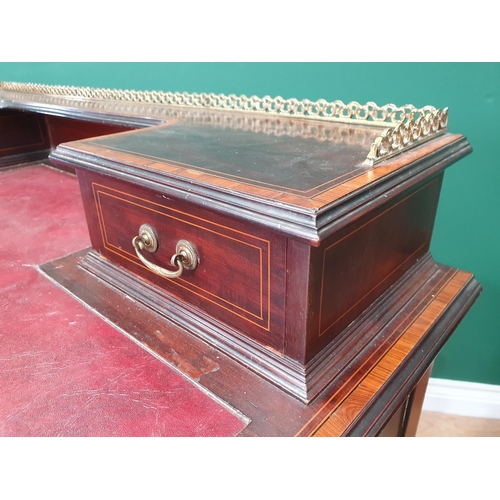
[469, 399]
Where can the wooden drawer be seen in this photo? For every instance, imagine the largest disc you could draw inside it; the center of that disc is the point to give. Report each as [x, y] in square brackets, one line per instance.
[238, 268]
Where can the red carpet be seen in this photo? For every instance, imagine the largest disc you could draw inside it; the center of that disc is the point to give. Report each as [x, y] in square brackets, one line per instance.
[63, 370]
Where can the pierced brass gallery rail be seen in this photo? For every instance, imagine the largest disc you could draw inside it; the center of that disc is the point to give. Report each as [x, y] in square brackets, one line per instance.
[405, 126]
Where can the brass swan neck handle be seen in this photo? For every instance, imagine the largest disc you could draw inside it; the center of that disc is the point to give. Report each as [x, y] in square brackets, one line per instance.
[185, 257]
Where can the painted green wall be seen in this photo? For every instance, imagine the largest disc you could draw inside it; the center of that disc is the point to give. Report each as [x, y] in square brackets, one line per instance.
[467, 231]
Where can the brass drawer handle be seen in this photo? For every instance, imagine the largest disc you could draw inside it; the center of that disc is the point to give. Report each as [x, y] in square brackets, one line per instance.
[185, 257]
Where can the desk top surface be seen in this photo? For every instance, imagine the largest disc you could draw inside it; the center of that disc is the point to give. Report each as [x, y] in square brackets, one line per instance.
[303, 172]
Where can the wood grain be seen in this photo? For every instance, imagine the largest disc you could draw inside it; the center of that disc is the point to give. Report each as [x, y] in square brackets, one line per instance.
[340, 418]
[383, 375]
[314, 270]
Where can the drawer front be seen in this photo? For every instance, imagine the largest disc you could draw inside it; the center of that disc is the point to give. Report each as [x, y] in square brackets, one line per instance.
[234, 279]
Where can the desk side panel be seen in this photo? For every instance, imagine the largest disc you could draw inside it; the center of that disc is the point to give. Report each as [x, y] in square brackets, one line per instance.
[356, 265]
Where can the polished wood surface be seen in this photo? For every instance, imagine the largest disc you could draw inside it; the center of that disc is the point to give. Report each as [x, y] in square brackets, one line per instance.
[372, 383]
[221, 188]
[238, 294]
[355, 265]
[315, 296]
[336, 416]
[235, 281]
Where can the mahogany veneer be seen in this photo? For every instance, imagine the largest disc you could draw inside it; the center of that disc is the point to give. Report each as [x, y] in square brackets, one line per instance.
[27, 136]
[286, 261]
[314, 270]
[381, 365]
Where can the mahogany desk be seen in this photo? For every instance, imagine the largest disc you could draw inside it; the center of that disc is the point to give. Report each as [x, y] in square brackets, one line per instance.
[305, 298]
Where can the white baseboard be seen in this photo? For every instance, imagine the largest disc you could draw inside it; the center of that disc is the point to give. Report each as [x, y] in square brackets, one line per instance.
[462, 398]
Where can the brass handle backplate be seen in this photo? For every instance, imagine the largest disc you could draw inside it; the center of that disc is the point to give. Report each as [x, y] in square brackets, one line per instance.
[185, 257]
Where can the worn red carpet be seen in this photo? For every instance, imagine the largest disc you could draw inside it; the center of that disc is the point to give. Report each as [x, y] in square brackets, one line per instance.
[63, 370]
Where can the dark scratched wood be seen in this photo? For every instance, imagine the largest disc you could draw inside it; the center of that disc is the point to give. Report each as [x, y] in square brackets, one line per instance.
[407, 329]
[62, 129]
[290, 164]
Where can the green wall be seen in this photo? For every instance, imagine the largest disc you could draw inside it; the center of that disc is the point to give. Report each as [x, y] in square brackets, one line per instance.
[467, 231]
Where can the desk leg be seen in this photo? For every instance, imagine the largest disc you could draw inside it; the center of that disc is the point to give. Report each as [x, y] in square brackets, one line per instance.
[404, 422]
[414, 407]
